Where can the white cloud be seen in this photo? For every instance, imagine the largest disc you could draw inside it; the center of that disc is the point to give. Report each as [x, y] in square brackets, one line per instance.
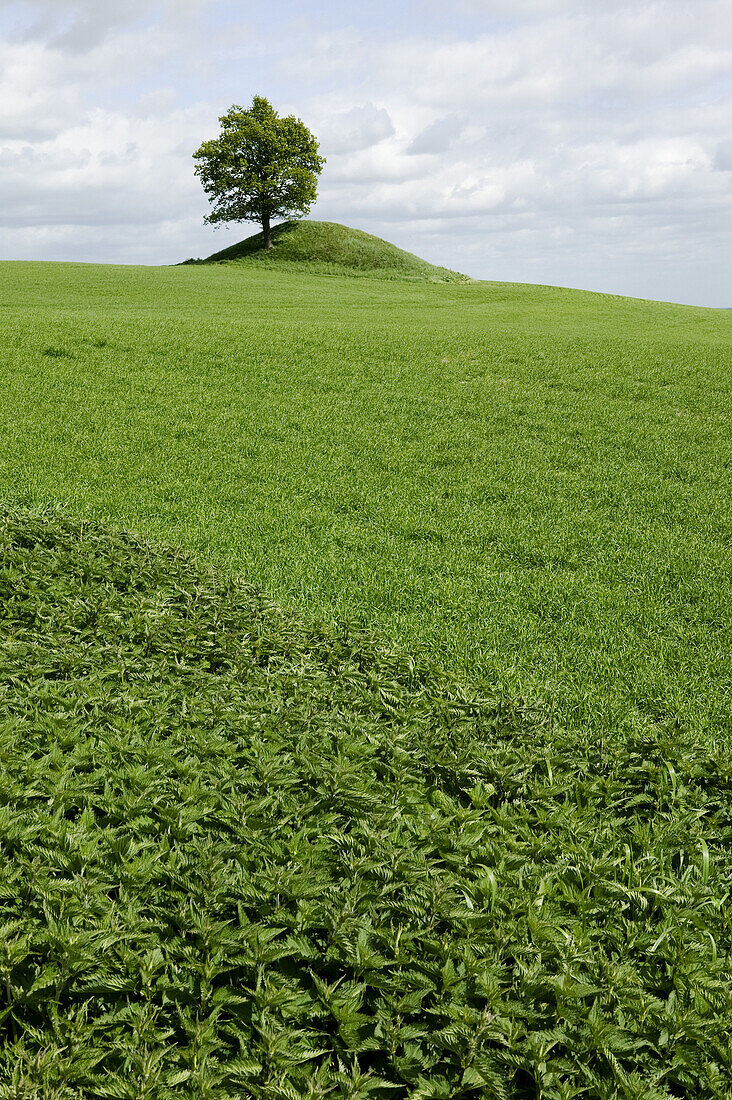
[77, 26]
[34, 103]
[437, 137]
[108, 169]
[356, 129]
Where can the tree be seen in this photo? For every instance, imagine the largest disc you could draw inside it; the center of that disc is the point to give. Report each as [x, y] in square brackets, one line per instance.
[259, 167]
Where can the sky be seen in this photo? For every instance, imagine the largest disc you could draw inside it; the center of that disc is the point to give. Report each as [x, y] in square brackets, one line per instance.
[582, 143]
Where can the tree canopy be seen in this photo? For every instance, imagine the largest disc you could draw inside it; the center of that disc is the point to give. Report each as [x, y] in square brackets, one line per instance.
[260, 167]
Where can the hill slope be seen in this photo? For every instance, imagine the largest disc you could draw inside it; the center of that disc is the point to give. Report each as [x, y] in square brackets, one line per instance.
[533, 483]
[334, 249]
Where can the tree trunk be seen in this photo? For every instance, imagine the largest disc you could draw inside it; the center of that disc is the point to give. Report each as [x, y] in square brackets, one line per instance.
[266, 230]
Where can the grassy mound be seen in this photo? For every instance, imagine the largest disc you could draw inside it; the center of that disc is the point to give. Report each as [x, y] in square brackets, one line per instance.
[331, 248]
[246, 857]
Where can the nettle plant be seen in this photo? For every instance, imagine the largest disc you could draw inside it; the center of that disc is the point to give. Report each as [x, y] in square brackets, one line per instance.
[244, 856]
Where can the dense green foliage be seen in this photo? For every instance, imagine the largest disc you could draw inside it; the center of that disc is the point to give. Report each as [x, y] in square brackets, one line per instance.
[529, 483]
[244, 856]
[259, 167]
[329, 248]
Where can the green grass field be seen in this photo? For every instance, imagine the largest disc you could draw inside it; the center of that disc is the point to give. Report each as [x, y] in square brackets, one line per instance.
[257, 840]
[529, 484]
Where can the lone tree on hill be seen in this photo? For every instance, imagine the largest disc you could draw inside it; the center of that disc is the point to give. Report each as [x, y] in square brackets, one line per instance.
[259, 167]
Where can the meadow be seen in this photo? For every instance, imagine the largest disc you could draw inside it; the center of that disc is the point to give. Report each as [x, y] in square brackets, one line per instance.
[364, 688]
[529, 485]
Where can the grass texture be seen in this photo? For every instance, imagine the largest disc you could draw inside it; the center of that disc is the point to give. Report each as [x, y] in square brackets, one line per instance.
[529, 485]
[249, 856]
[330, 248]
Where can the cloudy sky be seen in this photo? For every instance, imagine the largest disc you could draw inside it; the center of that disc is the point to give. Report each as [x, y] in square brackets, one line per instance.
[583, 143]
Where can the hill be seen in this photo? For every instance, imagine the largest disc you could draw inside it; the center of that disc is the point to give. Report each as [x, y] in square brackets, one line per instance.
[245, 854]
[333, 249]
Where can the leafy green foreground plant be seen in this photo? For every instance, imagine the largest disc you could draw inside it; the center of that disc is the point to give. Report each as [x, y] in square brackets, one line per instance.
[245, 857]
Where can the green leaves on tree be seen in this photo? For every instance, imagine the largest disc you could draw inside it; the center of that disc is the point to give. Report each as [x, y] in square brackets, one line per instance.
[260, 167]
